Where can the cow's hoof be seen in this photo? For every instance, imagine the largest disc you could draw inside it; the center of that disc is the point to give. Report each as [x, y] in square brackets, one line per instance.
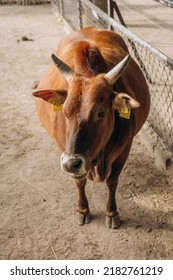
[113, 222]
[83, 219]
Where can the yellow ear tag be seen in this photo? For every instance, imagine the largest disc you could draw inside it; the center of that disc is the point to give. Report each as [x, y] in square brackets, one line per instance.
[124, 112]
[57, 108]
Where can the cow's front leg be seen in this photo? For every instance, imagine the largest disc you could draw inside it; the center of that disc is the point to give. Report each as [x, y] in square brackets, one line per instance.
[83, 211]
[112, 217]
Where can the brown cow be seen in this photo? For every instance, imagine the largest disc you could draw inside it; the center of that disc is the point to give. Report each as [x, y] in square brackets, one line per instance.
[98, 88]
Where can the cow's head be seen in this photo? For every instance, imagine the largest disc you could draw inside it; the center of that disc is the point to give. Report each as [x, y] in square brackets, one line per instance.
[88, 107]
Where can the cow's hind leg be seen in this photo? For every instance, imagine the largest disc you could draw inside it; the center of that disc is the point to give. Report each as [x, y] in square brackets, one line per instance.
[83, 211]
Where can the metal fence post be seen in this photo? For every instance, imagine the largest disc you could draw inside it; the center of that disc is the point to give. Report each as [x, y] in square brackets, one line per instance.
[62, 7]
[79, 8]
[110, 12]
[115, 6]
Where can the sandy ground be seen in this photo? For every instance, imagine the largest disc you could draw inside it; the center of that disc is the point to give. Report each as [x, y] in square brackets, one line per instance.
[38, 201]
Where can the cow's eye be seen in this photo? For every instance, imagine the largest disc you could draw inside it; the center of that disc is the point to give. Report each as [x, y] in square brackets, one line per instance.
[101, 114]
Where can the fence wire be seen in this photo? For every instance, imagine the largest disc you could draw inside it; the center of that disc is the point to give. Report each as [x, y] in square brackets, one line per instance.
[157, 68]
[168, 3]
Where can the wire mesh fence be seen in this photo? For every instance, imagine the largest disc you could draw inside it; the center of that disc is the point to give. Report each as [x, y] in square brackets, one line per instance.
[168, 3]
[157, 68]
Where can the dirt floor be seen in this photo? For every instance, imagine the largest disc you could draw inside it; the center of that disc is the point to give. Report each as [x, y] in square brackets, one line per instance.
[38, 201]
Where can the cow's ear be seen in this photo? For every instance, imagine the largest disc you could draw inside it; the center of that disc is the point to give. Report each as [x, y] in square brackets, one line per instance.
[54, 97]
[122, 100]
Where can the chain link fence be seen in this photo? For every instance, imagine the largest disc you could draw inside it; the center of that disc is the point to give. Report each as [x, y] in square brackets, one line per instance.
[168, 3]
[157, 68]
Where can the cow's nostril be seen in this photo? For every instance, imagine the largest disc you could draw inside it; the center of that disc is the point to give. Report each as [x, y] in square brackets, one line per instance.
[77, 163]
[73, 163]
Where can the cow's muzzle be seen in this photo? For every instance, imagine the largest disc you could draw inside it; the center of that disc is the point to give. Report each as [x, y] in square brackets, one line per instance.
[75, 165]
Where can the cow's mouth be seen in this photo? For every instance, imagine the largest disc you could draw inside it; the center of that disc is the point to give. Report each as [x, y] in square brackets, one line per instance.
[79, 177]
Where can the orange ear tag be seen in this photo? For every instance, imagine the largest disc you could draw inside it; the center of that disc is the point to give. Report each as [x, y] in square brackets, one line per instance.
[124, 112]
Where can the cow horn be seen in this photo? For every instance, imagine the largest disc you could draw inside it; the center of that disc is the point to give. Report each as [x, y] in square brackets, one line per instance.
[117, 71]
[63, 68]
